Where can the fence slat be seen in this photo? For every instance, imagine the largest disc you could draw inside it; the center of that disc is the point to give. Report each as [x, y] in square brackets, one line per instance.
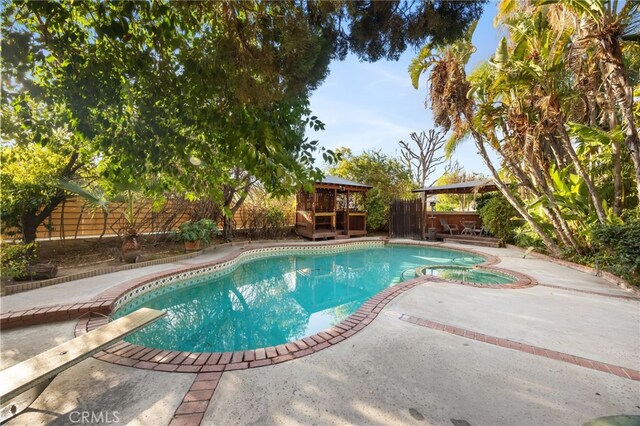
[406, 219]
[76, 219]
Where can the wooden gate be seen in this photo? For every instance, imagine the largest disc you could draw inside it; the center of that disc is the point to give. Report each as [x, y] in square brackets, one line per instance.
[406, 219]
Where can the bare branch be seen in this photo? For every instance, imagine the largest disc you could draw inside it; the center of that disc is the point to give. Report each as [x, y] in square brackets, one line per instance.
[423, 159]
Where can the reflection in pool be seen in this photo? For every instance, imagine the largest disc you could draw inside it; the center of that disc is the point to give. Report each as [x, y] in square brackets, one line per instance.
[274, 300]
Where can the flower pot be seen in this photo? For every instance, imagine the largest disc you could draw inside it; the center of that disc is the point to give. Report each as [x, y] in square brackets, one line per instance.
[192, 245]
[131, 256]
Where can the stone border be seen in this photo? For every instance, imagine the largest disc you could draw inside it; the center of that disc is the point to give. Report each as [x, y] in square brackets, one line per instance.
[196, 401]
[624, 372]
[56, 313]
[20, 287]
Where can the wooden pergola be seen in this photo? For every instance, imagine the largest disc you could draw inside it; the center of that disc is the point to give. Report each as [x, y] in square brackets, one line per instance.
[469, 187]
[334, 209]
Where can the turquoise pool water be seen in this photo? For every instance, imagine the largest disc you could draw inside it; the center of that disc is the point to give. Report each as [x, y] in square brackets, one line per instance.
[274, 300]
[467, 275]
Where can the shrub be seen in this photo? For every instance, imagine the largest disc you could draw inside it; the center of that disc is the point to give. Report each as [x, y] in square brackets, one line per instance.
[193, 231]
[14, 258]
[524, 236]
[499, 217]
[276, 223]
[617, 249]
[377, 211]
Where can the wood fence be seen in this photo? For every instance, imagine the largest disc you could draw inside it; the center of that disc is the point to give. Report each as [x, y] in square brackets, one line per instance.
[75, 218]
[406, 219]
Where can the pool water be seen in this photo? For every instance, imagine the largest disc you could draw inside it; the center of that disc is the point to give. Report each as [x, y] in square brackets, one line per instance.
[466, 275]
[270, 301]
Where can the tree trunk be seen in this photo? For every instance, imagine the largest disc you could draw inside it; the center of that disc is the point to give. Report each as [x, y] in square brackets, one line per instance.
[615, 148]
[534, 180]
[595, 198]
[615, 73]
[548, 242]
[227, 228]
[31, 220]
[29, 228]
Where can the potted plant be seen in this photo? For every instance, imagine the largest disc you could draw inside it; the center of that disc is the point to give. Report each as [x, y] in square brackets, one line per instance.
[194, 234]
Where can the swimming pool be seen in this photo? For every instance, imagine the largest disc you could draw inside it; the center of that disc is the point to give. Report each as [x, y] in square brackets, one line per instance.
[276, 299]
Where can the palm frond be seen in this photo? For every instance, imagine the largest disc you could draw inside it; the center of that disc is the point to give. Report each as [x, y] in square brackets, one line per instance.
[95, 199]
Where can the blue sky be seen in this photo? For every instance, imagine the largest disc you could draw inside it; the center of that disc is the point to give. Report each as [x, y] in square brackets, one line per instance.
[374, 106]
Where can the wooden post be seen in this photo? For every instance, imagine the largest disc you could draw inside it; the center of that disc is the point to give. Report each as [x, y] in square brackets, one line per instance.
[313, 212]
[364, 205]
[347, 219]
[335, 213]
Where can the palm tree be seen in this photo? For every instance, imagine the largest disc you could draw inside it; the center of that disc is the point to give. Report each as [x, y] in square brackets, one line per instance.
[605, 27]
[454, 110]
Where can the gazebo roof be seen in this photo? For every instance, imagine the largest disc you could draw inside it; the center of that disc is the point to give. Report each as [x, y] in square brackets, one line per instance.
[469, 187]
[338, 181]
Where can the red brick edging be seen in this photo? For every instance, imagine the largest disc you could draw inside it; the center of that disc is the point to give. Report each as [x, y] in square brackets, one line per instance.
[124, 353]
[196, 401]
[56, 313]
[616, 370]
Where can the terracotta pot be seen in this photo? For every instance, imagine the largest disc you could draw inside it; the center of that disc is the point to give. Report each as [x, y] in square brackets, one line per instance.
[131, 256]
[192, 245]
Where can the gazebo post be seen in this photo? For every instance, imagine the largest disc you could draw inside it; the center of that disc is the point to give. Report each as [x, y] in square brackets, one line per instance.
[313, 211]
[364, 204]
[335, 212]
[347, 216]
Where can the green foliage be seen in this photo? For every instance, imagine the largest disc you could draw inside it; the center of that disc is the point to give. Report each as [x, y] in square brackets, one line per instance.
[388, 176]
[193, 231]
[39, 147]
[499, 217]
[136, 89]
[14, 258]
[380, 29]
[524, 236]
[454, 173]
[276, 222]
[617, 249]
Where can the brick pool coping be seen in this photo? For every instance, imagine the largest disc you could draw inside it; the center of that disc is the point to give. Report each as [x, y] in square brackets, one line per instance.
[103, 304]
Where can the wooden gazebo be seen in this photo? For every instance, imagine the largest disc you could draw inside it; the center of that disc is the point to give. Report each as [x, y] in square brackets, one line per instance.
[335, 209]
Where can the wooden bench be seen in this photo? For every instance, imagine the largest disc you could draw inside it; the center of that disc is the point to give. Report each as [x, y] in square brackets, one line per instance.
[21, 384]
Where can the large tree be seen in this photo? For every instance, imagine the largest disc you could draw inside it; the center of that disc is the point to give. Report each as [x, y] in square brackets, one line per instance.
[529, 104]
[148, 85]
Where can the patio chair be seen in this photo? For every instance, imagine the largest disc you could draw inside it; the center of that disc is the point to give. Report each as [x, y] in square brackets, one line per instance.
[480, 231]
[448, 228]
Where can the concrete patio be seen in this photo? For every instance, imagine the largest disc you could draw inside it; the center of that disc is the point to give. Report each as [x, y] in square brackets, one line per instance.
[393, 371]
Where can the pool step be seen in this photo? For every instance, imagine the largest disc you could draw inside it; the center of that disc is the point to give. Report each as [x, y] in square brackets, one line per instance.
[476, 241]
